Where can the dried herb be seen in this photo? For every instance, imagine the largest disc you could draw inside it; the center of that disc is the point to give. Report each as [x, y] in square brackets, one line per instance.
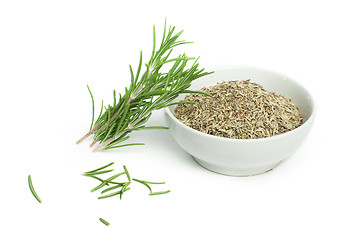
[152, 90]
[239, 109]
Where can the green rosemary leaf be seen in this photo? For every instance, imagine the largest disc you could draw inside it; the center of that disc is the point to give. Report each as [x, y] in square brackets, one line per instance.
[111, 128]
[151, 94]
[125, 145]
[144, 183]
[107, 181]
[158, 193]
[112, 188]
[132, 76]
[127, 173]
[199, 92]
[32, 189]
[139, 67]
[101, 111]
[101, 168]
[97, 173]
[147, 128]
[97, 178]
[164, 33]
[121, 139]
[154, 40]
[91, 95]
[124, 189]
[110, 195]
[114, 97]
[124, 114]
[104, 221]
[154, 182]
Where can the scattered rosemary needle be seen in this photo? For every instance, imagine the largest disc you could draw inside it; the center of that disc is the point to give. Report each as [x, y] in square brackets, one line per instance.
[101, 168]
[144, 183]
[107, 181]
[97, 173]
[124, 189]
[32, 189]
[104, 221]
[112, 188]
[158, 193]
[148, 91]
[153, 182]
[127, 173]
[124, 186]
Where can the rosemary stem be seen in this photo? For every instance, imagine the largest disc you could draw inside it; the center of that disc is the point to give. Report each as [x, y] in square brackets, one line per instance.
[84, 137]
[93, 143]
[106, 143]
[89, 133]
[132, 97]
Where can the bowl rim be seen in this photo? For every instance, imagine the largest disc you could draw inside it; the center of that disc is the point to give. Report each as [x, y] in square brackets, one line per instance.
[271, 138]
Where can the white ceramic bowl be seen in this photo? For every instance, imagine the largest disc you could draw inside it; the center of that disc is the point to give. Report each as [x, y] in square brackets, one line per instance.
[244, 157]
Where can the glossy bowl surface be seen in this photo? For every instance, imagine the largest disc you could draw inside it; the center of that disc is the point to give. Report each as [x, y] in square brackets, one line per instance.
[244, 157]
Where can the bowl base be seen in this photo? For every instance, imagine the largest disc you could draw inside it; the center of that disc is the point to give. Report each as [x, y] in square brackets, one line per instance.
[236, 172]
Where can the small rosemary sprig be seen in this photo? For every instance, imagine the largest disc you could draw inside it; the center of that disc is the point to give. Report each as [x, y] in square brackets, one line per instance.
[152, 90]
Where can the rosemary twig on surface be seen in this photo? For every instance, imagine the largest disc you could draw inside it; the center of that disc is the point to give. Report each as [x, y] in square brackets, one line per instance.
[32, 189]
[154, 89]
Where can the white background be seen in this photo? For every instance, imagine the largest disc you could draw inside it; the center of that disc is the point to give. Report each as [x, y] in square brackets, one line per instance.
[50, 50]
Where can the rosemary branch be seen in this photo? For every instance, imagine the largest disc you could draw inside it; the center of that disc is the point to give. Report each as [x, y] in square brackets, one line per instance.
[152, 90]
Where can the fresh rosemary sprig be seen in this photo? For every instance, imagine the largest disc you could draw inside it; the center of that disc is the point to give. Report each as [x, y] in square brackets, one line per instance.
[152, 90]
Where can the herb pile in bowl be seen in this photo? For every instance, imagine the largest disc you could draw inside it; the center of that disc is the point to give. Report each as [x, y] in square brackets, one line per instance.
[240, 110]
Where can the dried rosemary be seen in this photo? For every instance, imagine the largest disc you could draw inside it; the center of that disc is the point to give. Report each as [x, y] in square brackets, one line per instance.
[239, 109]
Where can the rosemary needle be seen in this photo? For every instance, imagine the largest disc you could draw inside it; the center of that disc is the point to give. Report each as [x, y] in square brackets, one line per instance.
[110, 195]
[158, 193]
[128, 175]
[114, 193]
[104, 221]
[101, 168]
[91, 95]
[97, 173]
[124, 189]
[154, 182]
[144, 183]
[107, 181]
[112, 188]
[32, 189]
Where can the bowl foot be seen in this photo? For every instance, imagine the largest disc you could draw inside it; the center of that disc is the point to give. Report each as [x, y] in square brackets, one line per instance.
[236, 172]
